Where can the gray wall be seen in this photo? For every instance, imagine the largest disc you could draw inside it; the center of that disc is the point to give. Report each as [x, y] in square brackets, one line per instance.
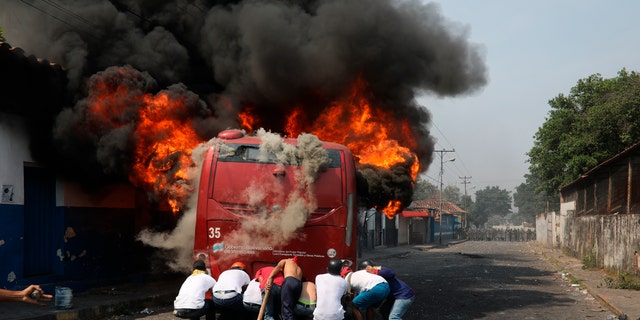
[611, 239]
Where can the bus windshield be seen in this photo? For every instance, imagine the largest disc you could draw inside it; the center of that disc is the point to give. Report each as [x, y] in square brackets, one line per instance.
[252, 153]
[243, 174]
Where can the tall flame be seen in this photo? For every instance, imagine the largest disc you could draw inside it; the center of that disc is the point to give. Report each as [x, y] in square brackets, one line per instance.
[163, 150]
[247, 120]
[373, 135]
[162, 136]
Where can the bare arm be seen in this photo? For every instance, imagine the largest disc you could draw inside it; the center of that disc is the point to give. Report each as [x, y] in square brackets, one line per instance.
[277, 269]
[24, 295]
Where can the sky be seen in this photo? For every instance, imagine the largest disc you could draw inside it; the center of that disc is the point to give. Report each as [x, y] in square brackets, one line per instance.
[534, 51]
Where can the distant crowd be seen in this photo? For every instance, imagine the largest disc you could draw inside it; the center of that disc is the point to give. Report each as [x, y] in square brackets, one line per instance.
[504, 234]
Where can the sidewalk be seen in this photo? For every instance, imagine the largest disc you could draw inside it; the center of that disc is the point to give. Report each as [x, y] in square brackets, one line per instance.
[102, 303]
[624, 303]
[141, 298]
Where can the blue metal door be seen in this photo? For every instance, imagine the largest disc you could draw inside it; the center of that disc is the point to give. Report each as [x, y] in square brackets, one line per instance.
[39, 211]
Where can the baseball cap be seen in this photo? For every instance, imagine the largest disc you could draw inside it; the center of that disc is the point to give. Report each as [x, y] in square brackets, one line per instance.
[199, 265]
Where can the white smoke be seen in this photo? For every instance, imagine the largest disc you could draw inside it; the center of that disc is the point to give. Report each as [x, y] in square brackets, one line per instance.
[273, 229]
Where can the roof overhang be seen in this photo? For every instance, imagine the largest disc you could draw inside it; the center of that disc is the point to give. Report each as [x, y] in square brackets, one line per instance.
[414, 214]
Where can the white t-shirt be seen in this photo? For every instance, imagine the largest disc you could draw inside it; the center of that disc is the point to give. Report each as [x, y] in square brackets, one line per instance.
[329, 289]
[253, 294]
[232, 279]
[363, 280]
[192, 291]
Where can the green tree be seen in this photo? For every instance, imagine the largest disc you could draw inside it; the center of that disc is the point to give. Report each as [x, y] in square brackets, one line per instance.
[467, 203]
[531, 202]
[452, 193]
[423, 190]
[2, 36]
[489, 202]
[598, 119]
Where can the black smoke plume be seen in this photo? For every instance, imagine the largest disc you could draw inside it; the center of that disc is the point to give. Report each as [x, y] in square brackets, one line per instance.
[270, 55]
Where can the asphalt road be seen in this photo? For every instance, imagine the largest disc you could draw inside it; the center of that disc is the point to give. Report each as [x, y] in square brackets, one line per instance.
[484, 280]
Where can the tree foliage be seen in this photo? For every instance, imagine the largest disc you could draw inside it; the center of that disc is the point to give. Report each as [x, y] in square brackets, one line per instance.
[452, 194]
[423, 189]
[530, 202]
[490, 201]
[2, 39]
[598, 119]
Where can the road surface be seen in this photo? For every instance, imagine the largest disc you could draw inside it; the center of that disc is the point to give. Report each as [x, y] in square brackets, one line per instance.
[482, 280]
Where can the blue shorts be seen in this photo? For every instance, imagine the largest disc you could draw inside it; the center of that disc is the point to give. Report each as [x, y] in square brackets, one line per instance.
[372, 297]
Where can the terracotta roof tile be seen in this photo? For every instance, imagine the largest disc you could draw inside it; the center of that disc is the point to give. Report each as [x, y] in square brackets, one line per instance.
[448, 207]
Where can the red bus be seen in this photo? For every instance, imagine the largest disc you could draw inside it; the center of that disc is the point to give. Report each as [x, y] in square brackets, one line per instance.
[254, 207]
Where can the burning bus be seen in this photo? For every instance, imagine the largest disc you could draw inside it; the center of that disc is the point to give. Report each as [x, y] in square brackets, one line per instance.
[263, 198]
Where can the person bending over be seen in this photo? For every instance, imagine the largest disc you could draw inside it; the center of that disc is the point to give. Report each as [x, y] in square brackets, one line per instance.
[291, 286]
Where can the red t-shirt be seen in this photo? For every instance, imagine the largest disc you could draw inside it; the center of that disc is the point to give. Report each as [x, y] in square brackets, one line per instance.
[263, 273]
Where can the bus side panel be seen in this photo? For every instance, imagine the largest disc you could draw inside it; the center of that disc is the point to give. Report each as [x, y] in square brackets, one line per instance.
[201, 232]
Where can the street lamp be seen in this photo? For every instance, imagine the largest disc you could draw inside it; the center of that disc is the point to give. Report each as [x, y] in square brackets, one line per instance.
[441, 202]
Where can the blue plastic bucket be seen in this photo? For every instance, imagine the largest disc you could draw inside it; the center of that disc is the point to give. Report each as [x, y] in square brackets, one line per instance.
[64, 296]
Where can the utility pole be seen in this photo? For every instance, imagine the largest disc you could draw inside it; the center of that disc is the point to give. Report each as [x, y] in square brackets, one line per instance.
[465, 181]
[441, 183]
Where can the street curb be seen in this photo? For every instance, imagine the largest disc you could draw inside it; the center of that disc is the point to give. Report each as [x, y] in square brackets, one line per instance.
[613, 309]
[112, 309]
[427, 247]
[591, 291]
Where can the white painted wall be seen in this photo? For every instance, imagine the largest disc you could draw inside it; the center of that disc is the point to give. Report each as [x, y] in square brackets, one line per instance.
[567, 210]
[14, 152]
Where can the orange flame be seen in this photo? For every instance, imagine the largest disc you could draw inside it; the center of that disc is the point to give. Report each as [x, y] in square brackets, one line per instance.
[392, 208]
[247, 120]
[163, 150]
[294, 123]
[163, 139]
[371, 134]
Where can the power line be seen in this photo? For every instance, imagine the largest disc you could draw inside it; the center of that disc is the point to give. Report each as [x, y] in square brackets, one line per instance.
[458, 156]
[67, 12]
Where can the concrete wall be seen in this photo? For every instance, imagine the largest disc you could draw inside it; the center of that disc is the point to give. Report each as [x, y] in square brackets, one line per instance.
[14, 153]
[613, 239]
[403, 229]
[547, 229]
[567, 213]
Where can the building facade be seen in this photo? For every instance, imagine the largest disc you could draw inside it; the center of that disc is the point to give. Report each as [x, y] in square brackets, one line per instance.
[599, 217]
[422, 222]
[56, 232]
